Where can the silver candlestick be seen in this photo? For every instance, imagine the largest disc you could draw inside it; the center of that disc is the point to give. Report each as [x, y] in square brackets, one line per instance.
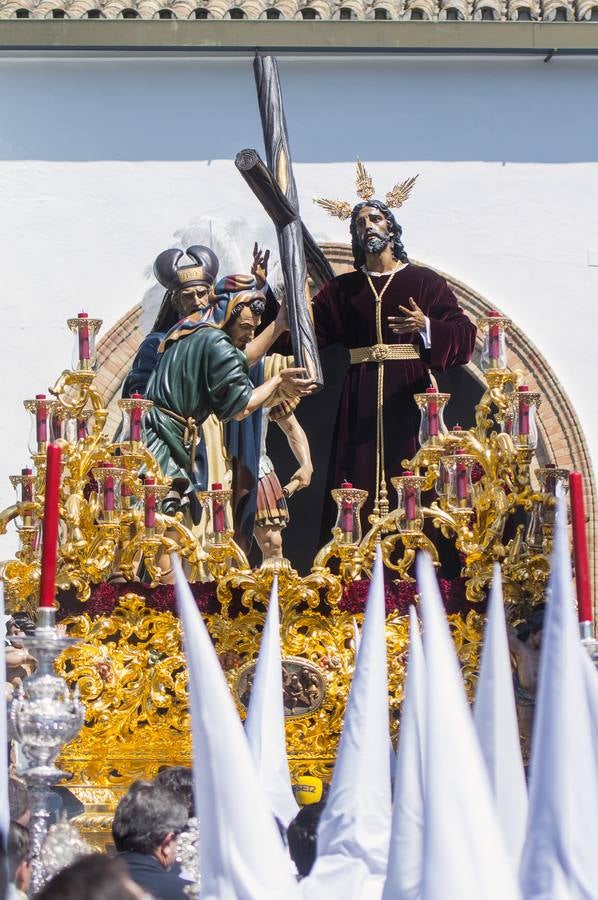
[44, 716]
[586, 630]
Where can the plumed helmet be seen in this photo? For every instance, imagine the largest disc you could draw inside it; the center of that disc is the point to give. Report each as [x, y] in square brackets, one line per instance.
[174, 277]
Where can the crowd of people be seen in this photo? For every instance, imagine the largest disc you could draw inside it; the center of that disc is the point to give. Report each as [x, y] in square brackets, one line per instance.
[152, 823]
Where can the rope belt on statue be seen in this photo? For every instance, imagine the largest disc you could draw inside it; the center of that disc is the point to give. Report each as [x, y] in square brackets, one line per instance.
[191, 435]
[379, 353]
[382, 352]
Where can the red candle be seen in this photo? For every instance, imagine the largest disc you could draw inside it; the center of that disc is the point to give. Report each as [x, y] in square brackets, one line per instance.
[410, 507]
[41, 420]
[523, 410]
[494, 337]
[83, 338]
[150, 505]
[81, 429]
[580, 548]
[432, 413]
[461, 478]
[26, 486]
[125, 490]
[135, 420]
[347, 510]
[446, 477]
[47, 585]
[218, 512]
[108, 490]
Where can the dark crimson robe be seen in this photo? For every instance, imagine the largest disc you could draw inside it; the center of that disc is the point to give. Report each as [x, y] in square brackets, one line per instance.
[344, 313]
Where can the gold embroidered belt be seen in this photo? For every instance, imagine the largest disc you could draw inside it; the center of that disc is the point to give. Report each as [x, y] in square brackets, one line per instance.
[382, 352]
[191, 435]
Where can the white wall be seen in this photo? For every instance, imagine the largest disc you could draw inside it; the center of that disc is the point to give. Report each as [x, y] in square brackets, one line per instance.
[103, 162]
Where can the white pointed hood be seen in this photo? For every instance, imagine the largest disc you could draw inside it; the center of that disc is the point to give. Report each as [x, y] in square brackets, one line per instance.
[560, 857]
[242, 855]
[495, 719]
[354, 831]
[405, 859]
[264, 725]
[465, 857]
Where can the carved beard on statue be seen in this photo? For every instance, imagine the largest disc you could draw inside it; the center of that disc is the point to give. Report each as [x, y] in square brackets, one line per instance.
[375, 241]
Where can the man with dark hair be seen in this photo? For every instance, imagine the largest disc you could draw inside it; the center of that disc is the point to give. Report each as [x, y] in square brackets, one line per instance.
[146, 824]
[18, 801]
[19, 864]
[93, 877]
[178, 780]
[398, 320]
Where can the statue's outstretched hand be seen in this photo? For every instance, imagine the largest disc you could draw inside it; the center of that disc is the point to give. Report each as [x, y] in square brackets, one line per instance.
[412, 320]
[259, 266]
[296, 383]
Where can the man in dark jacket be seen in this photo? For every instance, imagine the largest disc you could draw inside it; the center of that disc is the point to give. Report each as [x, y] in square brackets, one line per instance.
[146, 824]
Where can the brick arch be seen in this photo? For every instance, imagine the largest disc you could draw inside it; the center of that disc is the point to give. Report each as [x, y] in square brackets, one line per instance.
[561, 437]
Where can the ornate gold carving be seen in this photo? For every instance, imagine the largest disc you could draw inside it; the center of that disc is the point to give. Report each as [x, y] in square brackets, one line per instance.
[401, 192]
[337, 208]
[364, 186]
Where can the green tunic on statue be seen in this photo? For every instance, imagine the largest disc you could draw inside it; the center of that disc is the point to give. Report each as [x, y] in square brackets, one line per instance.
[200, 372]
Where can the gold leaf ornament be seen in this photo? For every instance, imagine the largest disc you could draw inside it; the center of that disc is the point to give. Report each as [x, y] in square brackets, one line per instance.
[363, 182]
[400, 192]
[337, 208]
[364, 186]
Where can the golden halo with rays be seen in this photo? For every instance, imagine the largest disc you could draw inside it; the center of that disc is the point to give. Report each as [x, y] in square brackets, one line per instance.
[364, 187]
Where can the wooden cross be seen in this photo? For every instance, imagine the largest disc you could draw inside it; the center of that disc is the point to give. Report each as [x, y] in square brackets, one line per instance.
[274, 186]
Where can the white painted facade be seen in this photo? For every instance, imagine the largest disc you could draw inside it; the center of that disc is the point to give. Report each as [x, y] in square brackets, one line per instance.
[106, 161]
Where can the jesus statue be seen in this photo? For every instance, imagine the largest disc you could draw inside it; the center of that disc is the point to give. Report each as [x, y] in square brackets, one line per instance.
[398, 321]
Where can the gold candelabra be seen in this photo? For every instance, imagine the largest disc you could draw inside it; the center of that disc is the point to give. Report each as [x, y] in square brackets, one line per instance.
[112, 524]
[474, 486]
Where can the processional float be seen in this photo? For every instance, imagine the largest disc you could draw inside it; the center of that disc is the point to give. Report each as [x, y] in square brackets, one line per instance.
[119, 648]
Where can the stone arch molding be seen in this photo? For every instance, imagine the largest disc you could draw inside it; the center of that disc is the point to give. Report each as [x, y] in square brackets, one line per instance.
[561, 437]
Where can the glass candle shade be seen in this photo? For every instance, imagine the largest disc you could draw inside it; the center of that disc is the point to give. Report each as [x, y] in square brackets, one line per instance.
[150, 503]
[25, 490]
[41, 411]
[84, 357]
[456, 439]
[554, 482]
[460, 487]
[525, 430]
[494, 345]
[349, 501]
[108, 478]
[134, 410]
[443, 482]
[431, 426]
[216, 503]
[507, 423]
[130, 491]
[534, 532]
[81, 427]
[409, 512]
[69, 428]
